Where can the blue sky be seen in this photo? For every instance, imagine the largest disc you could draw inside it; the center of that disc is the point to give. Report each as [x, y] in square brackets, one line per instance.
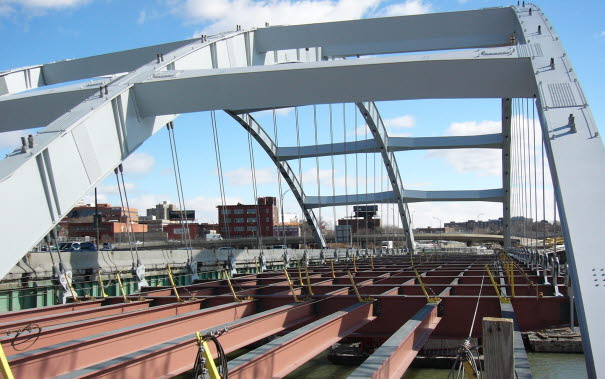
[40, 31]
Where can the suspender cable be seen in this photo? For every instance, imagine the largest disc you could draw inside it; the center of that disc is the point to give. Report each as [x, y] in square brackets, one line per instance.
[346, 158]
[259, 234]
[281, 194]
[129, 217]
[529, 169]
[366, 203]
[543, 187]
[524, 149]
[179, 189]
[533, 118]
[219, 168]
[374, 180]
[122, 204]
[300, 172]
[332, 161]
[356, 184]
[317, 164]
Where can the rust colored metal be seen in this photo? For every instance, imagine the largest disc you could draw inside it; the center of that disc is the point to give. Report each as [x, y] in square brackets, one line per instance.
[395, 355]
[287, 353]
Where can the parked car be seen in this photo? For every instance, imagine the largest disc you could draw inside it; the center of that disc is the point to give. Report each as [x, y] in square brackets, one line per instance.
[107, 246]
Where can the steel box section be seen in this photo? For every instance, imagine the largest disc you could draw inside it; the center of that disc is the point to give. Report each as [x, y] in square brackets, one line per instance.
[394, 356]
[285, 354]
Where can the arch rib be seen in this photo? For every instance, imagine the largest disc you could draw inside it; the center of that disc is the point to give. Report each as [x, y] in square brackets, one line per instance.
[265, 141]
[372, 117]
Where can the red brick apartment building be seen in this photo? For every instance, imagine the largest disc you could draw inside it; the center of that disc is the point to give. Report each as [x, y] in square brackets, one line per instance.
[244, 220]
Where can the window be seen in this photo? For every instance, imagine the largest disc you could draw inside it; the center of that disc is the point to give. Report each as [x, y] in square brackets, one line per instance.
[227, 220]
[267, 210]
[239, 220]
[251, 219]
[267, 228]
[252, 228]
[225, 211]
[239, 228]
[224, 229]
[268, 219]
[251, 211]
[238, 211]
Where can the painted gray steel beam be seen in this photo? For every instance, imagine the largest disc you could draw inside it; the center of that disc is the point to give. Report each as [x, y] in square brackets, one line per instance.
[24, 78]
[575, 154]
[266, 142]
[370, 113]
[435, 31]
[408, 196]
[39, 108]
[489, 73]
[484, 141]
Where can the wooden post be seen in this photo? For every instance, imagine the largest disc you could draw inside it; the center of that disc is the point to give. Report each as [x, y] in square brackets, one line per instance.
[498, 348]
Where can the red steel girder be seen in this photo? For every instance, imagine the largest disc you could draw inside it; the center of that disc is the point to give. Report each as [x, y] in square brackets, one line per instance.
[394, 356]
[45, 311]
[177, 356]
[288, 352]
[59, 359]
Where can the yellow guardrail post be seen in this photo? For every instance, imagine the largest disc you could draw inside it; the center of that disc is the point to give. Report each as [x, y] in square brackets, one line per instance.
[74, 294]
[103, 293]
[354, 264]
[361, 299]
[502, 298]
[372, 261]
[4, 366]
[119, 279]
[171, 279]
[210, 365]
[426, 294]
[332, 263]
[296, 299]
[309, 282]
[300, 279]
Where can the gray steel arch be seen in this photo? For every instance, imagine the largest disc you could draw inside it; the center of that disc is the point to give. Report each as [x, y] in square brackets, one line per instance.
[266, 142]
[370, 113]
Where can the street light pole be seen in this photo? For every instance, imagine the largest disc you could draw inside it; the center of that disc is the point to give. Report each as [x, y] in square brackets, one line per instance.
[440, 236]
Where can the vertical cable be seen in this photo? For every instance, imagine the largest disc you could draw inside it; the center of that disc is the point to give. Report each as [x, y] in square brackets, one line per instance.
[122, 204]
[356, 181]
[259, 234]
[279, 185]
[300, 174]
[317, 165]
[332, 160]
[533, 110]
[219, 167]
[543, 188]
[346, 158]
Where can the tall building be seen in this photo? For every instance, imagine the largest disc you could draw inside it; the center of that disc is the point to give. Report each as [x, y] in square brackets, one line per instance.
[162, 210]
[363, 220]
[244, 220]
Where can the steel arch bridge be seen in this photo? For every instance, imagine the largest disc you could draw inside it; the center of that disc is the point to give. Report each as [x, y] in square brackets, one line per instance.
[502, 53]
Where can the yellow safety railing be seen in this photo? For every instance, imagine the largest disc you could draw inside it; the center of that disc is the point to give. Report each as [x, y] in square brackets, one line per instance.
[101, 285]
[429, 299]
[372, 261]
[332, 264]
[300, 278]
[207, 354]
[296, 299]
[309, 282]
[235, 297]
[171, 279]
[503, 299]
[119, 279]
[4, 366]
[361, 299]
[354, 264]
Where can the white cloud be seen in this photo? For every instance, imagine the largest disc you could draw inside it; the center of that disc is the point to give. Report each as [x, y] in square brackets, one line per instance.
[407, 7]
[37, 6]
[393, 126]
[602, 34]
[223, 15]
[138, 163]
[243, 176]
[482, 161]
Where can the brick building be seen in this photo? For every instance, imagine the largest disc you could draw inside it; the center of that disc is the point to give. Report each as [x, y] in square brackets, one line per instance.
[244, 220]
[107, 213]
[108, 231]
[364, 219]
